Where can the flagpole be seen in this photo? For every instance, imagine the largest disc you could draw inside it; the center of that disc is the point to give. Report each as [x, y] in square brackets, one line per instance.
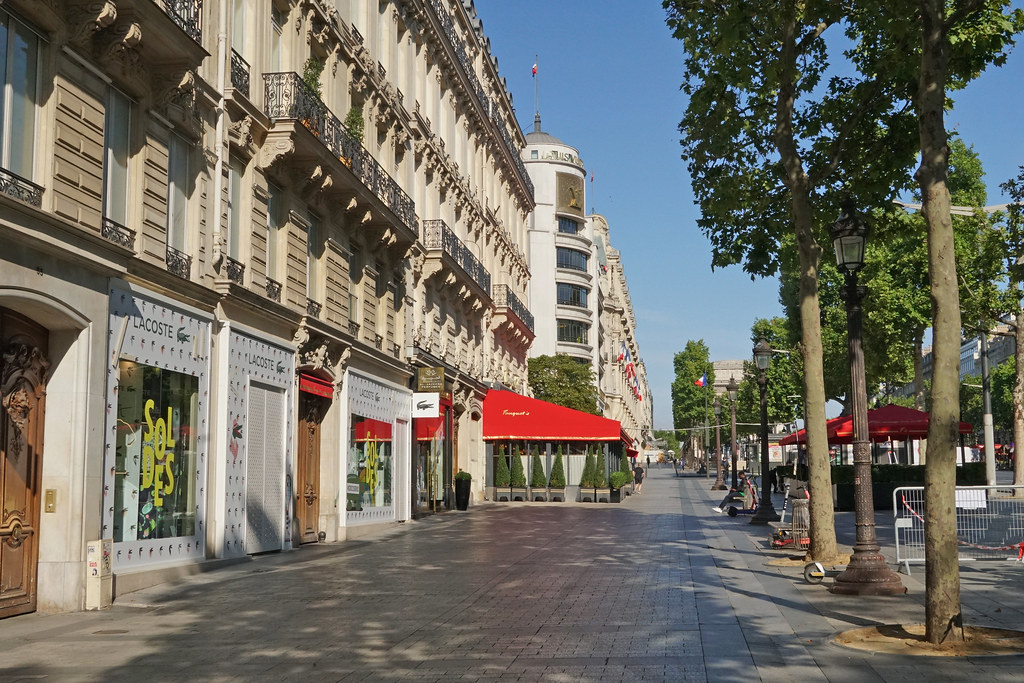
[536, 88]
[707, 464]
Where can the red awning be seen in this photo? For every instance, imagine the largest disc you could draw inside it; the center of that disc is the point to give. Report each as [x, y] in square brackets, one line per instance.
[885, 423]
[373, 430]
[508, 415]
[427, 428]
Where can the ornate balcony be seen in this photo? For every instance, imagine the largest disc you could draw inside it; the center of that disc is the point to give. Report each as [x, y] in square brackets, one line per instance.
[113, 231]
[187, 14]
[235, 270]
[178, 263]
[274, 290]
[504, 297]
[13, 185]
[378, 341]
[288, 97]
[437, 236]
[313, 308]
[353, 328]
[239, 73]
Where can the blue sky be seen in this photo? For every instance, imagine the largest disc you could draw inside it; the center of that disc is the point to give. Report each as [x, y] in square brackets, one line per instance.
[609, 75]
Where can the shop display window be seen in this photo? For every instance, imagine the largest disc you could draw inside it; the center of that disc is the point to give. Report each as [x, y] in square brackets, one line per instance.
[155, 465]
[370, 466]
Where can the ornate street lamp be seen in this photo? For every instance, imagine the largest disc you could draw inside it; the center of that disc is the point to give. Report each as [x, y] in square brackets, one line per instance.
[765, 510]
[719, 485]
[867, 573]
[733, 389]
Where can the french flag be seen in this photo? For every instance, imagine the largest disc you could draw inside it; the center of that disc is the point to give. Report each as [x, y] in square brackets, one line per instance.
[622, 353]
[703, 380]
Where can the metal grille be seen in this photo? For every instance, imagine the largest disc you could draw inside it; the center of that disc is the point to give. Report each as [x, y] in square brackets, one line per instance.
[264, 471]
[989, 523]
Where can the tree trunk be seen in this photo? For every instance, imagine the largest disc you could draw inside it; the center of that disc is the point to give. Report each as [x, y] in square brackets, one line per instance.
[919, 402]
[1018, 399]
[943, 616]
[822, 530]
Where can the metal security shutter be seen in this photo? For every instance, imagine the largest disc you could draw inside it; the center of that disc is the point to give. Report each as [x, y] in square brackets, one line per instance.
[264, 470]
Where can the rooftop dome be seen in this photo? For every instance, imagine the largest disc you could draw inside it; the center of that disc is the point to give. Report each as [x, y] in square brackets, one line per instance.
[539, 137]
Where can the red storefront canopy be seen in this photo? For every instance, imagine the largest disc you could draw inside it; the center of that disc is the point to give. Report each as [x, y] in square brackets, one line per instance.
[373, 430]
[508, 415]
[885, 423]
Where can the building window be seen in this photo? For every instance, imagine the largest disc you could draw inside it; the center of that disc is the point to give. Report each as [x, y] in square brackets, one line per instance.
[534, 154]
[275, 220]
[568, 226]
[177, 191]
[312, 256]
[154, 485]
[572, 259]
[116, 140]
[572, 295]
[368, 483]
[277, 21]
[19, 61]
[573, 331]
[234, 212]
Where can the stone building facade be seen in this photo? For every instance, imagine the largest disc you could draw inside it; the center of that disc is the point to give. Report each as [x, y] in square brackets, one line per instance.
[234, 232]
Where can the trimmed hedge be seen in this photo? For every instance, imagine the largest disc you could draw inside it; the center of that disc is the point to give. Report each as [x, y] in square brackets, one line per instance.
[971, 474]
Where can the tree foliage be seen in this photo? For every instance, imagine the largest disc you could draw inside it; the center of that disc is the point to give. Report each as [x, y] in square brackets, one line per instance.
[518, 477]
[557, 480]
[537, 478]
[564, 381]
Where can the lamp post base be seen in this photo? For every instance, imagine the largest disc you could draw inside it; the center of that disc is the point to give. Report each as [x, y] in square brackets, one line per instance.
[867, 574]
[765, 514]
[719, 486]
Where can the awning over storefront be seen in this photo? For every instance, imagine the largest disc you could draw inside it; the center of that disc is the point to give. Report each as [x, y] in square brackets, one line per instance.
[888, 422]
[508, 415]
[372, 430]
[429, 428]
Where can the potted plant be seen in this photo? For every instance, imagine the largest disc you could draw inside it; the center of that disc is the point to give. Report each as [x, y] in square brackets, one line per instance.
[518, 478]
[587, 478]
[556, 484]
[618, 480]
[502, 478]
[463, 481]
[538, 482]
[601, 490]
[624, 467]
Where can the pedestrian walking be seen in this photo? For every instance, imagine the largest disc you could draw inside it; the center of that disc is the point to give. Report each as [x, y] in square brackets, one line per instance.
[648, 462]
[638, 478]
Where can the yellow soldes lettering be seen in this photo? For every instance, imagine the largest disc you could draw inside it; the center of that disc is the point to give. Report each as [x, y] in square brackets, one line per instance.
[148, 454]
[158, 455]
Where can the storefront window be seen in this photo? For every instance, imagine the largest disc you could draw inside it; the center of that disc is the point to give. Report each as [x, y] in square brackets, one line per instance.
[155, 465]
[430, 441]
[370, 467]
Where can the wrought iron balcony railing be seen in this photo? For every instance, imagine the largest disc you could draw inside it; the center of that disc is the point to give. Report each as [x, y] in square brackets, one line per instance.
[437, 235]
[13, 185]
[113, 231]
[288, 97]
[378, 341]
[235, 270]
[239, 73]
[274, 290]
[353, 328]
[504, 296]
[188, 14]
[178, 263]
[313, 308]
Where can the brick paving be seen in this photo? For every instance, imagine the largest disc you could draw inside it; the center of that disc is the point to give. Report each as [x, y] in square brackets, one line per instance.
[657, 588]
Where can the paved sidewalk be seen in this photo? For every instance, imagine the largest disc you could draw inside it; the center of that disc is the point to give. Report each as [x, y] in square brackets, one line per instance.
[656, 588]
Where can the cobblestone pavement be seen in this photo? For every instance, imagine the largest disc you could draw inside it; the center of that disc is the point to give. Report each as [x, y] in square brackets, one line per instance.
[656, 588]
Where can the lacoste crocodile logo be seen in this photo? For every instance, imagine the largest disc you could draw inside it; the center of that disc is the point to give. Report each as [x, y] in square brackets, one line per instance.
[182, 337]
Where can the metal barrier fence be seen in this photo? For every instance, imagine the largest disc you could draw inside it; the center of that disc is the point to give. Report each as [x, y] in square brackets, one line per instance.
[989, 523]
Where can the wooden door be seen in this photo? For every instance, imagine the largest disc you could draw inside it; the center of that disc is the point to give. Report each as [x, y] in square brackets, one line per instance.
[23, 367]
[307, 490]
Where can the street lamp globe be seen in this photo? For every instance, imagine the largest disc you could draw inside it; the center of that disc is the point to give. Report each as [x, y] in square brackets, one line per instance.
[762, 354]
[849, 235]
[733, 389]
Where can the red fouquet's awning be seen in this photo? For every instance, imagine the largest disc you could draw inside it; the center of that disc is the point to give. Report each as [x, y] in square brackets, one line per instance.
[885, 423]
[508, 415]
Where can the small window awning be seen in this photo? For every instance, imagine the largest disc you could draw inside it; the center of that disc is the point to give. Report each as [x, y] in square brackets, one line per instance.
[508, 415]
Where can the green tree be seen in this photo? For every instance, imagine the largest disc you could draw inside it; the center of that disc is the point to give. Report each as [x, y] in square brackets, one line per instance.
[565, 381]
[537, 478]
[957, 43]
[775, 141]
[601, 470]
[557, 471]
[501, 473]
[589, 467]
[518, 475]
[691, 404]
[624, 464]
